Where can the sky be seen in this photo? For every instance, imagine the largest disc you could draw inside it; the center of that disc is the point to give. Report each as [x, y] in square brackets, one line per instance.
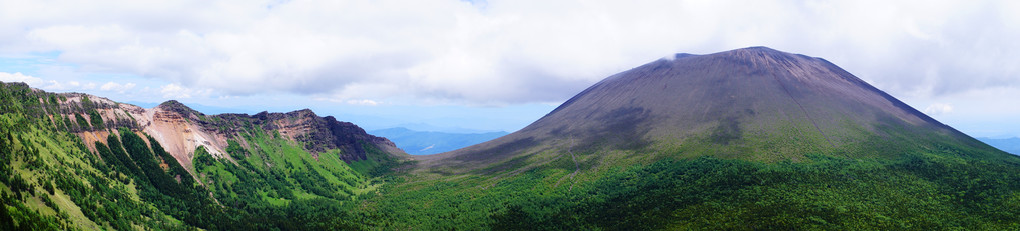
[452, 65]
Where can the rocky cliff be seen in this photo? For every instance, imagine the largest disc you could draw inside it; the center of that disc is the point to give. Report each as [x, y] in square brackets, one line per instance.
[180, 129]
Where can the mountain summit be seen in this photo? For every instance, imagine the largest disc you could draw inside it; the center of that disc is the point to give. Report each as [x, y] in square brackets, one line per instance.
[746, 139]
[753, 103]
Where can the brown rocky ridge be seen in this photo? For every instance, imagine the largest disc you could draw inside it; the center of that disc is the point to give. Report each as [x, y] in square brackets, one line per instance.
[180, 129]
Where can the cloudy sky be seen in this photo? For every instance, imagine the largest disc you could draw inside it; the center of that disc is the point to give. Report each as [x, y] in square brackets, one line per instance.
[494, 65]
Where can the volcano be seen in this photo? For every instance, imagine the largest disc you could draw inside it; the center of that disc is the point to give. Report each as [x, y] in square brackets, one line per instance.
[753, 103]
[749, 139]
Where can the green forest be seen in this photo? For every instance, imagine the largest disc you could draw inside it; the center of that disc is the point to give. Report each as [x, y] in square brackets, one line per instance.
[50, 180]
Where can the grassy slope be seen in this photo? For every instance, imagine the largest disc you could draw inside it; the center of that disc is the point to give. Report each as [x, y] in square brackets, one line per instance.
[51, 181]
[918, 185]
[921, 181]
[257, 171]
[935, 189]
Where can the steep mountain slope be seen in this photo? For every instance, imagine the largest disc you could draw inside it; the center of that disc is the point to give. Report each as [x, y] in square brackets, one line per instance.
[753, 103]
[76, 161]
[749, 139]
[182, 130]
[424, 143]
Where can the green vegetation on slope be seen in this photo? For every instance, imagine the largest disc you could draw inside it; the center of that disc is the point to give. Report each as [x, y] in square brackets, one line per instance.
[49, 180]
[277, 173]
[52, 182]
[917, 192]
[923, 181]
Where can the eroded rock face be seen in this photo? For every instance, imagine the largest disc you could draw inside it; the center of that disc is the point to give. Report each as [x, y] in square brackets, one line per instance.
[181, 133]
[180, 129]
[320, 134]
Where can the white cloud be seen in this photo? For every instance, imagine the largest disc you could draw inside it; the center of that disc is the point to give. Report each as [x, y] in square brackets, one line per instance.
[109, 86]
[18, 77]
[50, 85]
[365, 102]
[174, 91]
[362, 102]
[88, 86]
[938, 109]
[505, 50]
[121, 88]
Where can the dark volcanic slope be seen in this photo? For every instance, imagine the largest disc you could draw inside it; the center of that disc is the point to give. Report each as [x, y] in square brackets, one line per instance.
[753, 103]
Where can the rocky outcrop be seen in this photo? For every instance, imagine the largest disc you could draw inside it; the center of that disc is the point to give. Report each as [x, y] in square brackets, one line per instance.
[180, 129]
[320, 134]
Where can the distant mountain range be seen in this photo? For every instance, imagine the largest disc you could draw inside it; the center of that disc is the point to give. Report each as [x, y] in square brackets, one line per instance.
[1010, 145]
[429, 142]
